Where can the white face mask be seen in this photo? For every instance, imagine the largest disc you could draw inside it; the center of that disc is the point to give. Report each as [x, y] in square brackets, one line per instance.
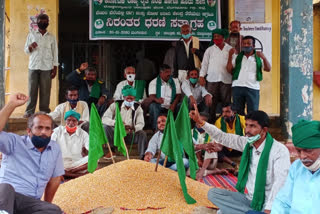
[315, 166]
[128, 104]
[131, 77]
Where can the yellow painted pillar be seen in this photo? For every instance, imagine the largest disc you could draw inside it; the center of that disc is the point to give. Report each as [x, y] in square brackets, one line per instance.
[316, 60]
[21, 14]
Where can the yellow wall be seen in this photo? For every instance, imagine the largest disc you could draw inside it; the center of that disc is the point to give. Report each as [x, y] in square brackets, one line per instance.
[20, 12]
[271, 81]
[316, 61]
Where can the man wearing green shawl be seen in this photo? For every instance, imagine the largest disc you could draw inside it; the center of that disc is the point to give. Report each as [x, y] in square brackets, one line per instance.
[246, 70]
[300, 193]
[263, 168]
[132, 118]
[164, 94]
[213, 73]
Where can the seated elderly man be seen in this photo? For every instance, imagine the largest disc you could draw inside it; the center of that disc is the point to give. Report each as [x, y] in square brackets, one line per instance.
[132, 117]
[155, 144]
[31, 165]
[196, 93]
[164, 94]
[138, 85]
[300, 193]
[206, 151]
[74, 144]
[72, 103]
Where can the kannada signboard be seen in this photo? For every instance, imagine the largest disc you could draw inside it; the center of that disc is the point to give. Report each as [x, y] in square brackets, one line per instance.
[152, 19]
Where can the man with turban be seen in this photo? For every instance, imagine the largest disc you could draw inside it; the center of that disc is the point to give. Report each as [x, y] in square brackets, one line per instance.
[214, 69]
[74, 144]
[132, 117]
[300, 193]
[263, 168]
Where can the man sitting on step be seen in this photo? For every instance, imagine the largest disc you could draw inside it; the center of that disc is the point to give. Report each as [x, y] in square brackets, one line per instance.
[132, 117]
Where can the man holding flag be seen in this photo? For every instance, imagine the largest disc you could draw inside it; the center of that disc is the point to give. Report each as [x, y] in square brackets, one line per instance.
[263, 168]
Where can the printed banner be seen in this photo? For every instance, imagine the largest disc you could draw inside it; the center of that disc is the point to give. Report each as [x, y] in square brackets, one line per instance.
[152, 19]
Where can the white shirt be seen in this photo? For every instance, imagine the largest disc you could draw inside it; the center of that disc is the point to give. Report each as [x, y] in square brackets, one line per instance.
[278, 165]
[165, 90]
[214, 64]
[155, 144]
[118, 94]
[59, 111]
[198, 91]
[108, 117]
[248, 72]
[187, 45]
[45, 55]
[71, 146]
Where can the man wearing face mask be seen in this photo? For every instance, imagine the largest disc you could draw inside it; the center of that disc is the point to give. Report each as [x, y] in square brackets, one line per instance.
[263, 168]
[235, 38]
[72, 103]
[188, 53]
[132, 117]
[246, 69]
[230, 122]
[196, 93]
[74, 144]
[213, 68]
[138, 85]
[43, 61]
[300, 193]
[31, 166]
[91, 89]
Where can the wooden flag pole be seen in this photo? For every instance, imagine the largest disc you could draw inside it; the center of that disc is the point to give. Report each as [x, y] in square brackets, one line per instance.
[110, 152]
[158, 159]
[124, 143]
[165, 161]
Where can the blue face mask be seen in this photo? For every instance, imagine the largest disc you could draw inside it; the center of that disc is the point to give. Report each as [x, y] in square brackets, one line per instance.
[193, 80]
[73, 102]
[247, 49]
[253, 139]
[40, 142]
[128, 104]
[186, 36]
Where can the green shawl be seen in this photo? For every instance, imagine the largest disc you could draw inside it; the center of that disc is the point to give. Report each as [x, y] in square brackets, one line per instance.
[239, 130]
[173, 87]
[95, 90]
[139, 85]
[236, 70]
[195, 135]
[261, 176]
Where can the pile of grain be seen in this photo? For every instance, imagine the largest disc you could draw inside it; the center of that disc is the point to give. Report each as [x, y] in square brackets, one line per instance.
[132, 184]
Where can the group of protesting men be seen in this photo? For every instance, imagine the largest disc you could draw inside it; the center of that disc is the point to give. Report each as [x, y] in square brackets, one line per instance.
[33, 165]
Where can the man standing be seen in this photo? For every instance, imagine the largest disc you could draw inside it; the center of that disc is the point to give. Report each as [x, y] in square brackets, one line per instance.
[91, 89]
[188, 53]
[214, 68]
[230, 122]
[138, 85]
[31, 165]
[235, 38]
[263, 168]
[164, 94]
[132, 117]
[74, 144]
[43, 61]
[300, 193]
[246, 70]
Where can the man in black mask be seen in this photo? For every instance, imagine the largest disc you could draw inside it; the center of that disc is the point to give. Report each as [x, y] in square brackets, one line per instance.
[230, 122]
[41, 46]
[72, 103]
[235, 38]
[32, 165]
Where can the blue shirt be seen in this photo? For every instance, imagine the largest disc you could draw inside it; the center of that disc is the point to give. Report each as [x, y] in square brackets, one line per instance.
[27, 169]
[301, 192]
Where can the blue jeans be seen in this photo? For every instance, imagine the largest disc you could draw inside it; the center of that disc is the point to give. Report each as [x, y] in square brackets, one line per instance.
[171, 165]
[242, 96]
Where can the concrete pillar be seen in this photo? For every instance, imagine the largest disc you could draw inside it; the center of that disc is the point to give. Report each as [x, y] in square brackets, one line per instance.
[296, 78]
[2, 30]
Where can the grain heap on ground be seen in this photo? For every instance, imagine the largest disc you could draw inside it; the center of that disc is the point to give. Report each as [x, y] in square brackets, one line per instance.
[131, 184]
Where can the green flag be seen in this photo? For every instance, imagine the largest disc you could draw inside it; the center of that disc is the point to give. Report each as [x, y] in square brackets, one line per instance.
[119, 132]
[183, 126]
[171, 147]
[97, 137]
